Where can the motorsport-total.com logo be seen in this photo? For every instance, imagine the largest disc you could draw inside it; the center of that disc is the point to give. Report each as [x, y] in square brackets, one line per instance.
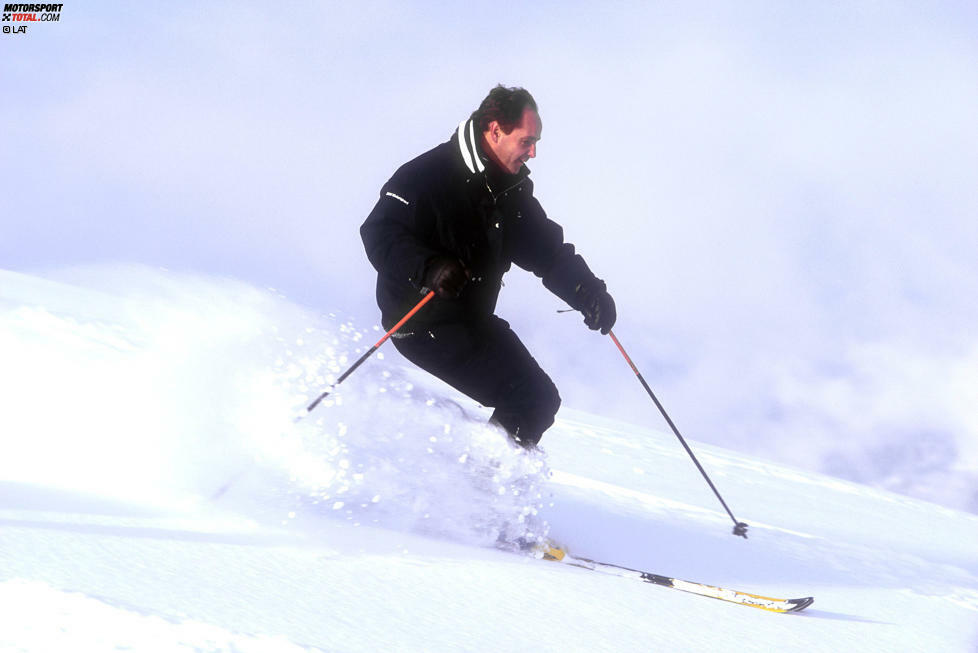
[26, 14]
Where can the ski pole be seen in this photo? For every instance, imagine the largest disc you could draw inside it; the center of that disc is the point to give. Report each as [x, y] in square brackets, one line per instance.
[740, 528]
[410, 314]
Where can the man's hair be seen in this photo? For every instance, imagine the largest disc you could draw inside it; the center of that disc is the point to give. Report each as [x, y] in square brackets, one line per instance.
[505, 106]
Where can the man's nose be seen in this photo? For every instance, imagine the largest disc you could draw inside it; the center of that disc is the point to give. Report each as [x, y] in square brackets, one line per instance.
[533, 151]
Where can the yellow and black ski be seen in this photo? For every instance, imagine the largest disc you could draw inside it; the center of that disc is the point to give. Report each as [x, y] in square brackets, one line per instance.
[551, 552]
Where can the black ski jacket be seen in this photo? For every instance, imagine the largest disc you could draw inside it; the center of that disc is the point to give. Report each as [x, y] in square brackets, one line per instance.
[453, 201]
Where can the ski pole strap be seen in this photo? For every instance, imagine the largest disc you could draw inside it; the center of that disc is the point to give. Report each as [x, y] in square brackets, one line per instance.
[740, 528]
[392, 331]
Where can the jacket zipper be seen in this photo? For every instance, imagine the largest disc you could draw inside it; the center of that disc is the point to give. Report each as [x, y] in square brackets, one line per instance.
[495, 196]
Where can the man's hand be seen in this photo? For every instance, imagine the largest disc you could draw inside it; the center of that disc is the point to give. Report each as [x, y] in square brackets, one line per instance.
[446, 276]
[597, 306]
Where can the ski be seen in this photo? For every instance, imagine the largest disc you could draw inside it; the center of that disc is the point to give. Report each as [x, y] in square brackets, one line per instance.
[732, 596]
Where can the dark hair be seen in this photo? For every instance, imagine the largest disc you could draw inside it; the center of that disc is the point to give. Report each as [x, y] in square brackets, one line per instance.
[505, 106]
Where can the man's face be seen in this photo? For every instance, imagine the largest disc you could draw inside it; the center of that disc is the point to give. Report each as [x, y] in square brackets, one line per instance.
[517, 147]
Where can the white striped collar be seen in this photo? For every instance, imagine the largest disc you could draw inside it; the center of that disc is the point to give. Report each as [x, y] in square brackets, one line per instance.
[467, 144]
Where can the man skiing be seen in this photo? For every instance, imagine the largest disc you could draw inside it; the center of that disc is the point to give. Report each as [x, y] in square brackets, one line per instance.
[452, 221]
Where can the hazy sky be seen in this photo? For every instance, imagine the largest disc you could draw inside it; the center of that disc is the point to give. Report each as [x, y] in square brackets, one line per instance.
[781, 198]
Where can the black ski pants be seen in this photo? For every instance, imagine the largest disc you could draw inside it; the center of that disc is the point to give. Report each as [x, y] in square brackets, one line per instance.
[486, 361]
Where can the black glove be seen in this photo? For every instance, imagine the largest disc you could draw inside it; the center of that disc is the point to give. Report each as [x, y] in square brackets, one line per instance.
[597, 306]
[446, 276]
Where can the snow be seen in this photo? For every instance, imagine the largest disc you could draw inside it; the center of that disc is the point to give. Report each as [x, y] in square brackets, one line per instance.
[159, 491]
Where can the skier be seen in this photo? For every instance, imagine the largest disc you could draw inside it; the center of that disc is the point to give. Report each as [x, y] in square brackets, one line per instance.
[452, 221]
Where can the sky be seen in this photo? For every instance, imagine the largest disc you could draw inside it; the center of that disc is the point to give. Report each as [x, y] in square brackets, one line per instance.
[782, 199]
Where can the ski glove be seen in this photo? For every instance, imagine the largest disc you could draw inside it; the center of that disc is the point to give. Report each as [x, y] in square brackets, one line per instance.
[596, 305]
[446, 276]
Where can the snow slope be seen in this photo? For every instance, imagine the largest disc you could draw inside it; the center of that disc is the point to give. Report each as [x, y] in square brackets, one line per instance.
[158, 494]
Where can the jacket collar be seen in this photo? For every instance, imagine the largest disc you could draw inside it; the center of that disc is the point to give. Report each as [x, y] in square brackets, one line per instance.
[468, 143]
